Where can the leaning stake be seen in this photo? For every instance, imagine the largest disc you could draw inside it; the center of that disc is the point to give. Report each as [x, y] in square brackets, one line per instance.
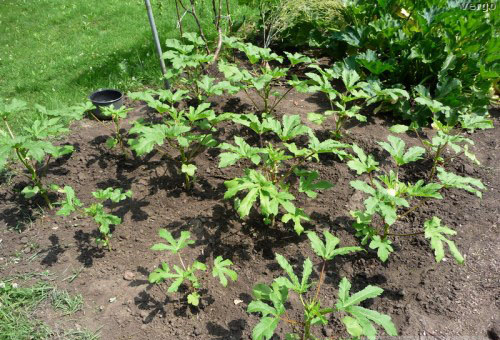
[156, 40]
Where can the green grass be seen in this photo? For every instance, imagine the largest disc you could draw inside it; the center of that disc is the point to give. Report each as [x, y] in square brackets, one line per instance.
[56, 52]
[62, 300]
[20, 301]
[17, 307]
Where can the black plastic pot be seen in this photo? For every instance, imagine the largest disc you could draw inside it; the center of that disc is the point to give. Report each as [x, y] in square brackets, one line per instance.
[105, 97]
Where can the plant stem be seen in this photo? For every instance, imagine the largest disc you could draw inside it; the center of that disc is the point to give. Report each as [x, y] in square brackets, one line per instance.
[273, 221]
[179, 19]
[386, 231]
[280, 99]
[293, 322]
[197, 20]
[435, 161]
[248, 95]
[307, 330]
[8, 128]
[182, 262]
[35, 178]
[291, 170]
[321, 278]
[415, 207]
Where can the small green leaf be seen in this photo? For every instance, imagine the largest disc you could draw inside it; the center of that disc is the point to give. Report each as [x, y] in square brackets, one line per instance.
[221, 270]
[174, 245]
[316, 118]
[383, 247]
[265, 328]
[194, 299]
[363, 186]
[399, 128]
[261, 291]
[188, 169]
[369, 292]
[352, 326]
[30, 191]
[111, 142]
[363, 163]
[308, 183]
[450, 180]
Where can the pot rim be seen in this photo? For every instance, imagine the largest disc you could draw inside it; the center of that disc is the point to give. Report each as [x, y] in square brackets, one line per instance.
[93, 94]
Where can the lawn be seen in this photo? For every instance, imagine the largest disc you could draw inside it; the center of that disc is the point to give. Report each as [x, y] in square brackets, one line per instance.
[57, 52]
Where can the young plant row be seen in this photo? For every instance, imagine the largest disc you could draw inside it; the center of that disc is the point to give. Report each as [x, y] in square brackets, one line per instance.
[272, 301]
[278, 164]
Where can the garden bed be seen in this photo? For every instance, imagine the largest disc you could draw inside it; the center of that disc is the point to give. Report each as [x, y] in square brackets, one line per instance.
[423, 297]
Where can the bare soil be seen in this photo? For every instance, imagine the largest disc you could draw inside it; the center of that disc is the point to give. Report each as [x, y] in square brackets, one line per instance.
[423, 297]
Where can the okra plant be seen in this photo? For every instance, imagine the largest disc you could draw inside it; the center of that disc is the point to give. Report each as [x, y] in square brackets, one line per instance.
[272, 301]
[187, 273]
[189, 131]
[95, 210]
[447, 139]
[117, 139]
[388, 195]
[32, 147]
[268, 183]
[189, 62]
[344, 103]
[261, 77]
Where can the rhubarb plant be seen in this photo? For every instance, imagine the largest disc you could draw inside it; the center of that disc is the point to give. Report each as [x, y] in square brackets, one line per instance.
[187, 273]
[268, 183]
[272, 301]
[33, 147]
[71, 204]
[261, 78]
[189, 131]
[390, 200]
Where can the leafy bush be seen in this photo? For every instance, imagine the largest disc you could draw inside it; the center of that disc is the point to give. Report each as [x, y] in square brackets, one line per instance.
[448, 50]
[269, 184]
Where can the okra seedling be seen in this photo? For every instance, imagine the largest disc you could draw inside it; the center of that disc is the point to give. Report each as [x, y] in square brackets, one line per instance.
[389, 196]
[32, 147]
[268, 181]
[117, 116]
[272, 301]
[261, 77]
[95, 210]
[187, 273]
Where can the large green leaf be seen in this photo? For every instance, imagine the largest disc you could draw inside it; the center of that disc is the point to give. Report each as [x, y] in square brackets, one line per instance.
[436, 233]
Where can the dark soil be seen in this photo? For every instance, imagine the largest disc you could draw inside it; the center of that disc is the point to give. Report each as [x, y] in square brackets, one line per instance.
[422, 296]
